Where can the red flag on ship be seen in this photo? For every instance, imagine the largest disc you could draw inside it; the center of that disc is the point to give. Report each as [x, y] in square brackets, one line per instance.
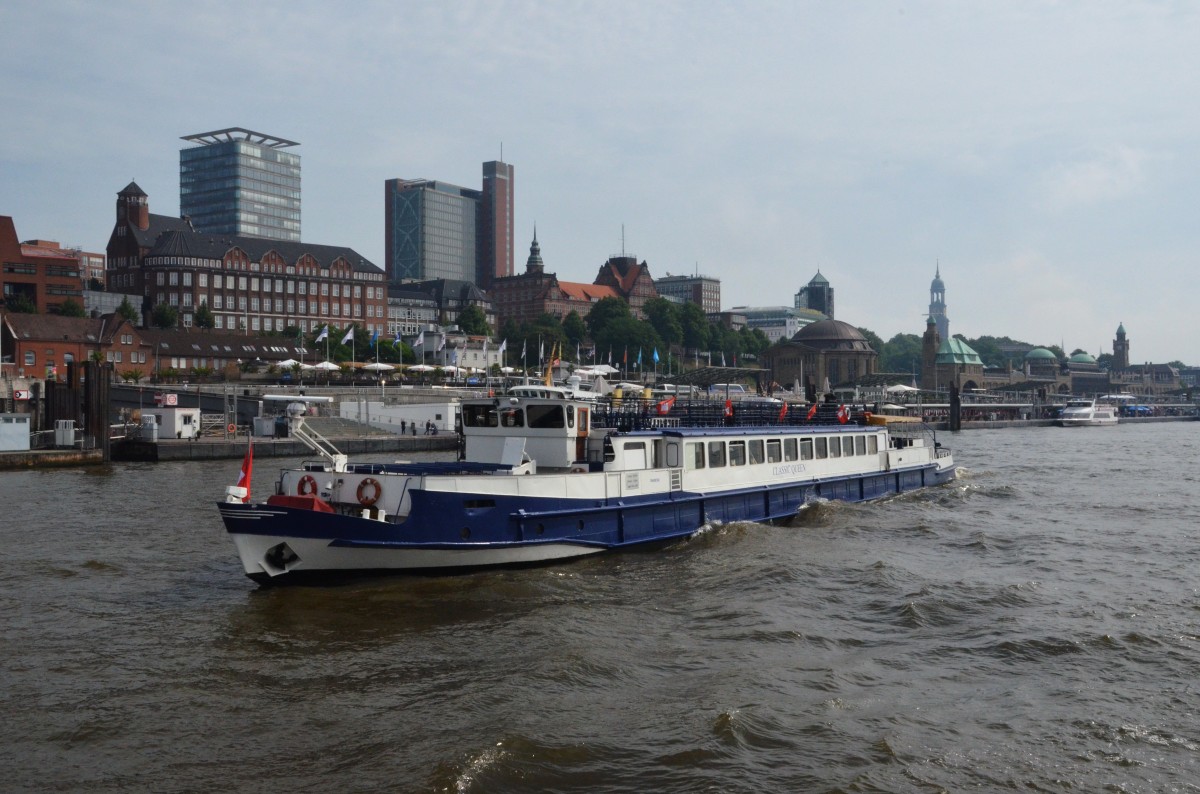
[665, 406]
[783, 412]
[812, 412]
[843, 414]
[729, 409]
[243, 480]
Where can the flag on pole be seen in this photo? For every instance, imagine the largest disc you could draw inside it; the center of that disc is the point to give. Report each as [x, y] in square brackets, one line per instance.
[541, 350]
[323, 335]
[729, 409]
[420, 340]
[664, 406]
[811, 412]
[349, 335]
[524, 348]
[503, 347]
[441, 343]
[656, 355]
[843, 414]
[722, 358]
[639, 360]
[375, 338]
[243, 480]
[783, 411]
[610, 355]
[577, 356]
[396, 341]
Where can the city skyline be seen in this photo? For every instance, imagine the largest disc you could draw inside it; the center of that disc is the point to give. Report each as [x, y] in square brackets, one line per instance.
[1040, 154]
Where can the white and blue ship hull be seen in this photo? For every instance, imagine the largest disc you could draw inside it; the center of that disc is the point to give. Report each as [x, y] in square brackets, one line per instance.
[612, 489]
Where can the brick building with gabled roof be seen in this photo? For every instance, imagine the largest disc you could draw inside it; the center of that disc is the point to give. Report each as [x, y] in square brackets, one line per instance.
[41, 345]
[527, 296]
[629, 278]
[249, 284]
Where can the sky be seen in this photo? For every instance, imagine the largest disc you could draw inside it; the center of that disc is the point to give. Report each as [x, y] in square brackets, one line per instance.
[1043, 155]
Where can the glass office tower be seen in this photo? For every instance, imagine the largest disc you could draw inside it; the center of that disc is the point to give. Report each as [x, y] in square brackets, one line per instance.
[430, 230]
[237, 181]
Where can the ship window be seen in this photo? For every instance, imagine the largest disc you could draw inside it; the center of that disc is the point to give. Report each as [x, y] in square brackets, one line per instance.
[789, 448]
[737, 453]
[774, 451]
[716, 454]
[570, 416]
[512, 417]
[835, 447]
[872, 445]
[756, 451]
[545, 416]
[673, 454]
[695, 456]
[480, 416]
[822, 446]
[847, 446]
[860, 445]
[806, 449]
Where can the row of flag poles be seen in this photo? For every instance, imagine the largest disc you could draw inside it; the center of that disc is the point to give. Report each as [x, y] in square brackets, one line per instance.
[419, 342]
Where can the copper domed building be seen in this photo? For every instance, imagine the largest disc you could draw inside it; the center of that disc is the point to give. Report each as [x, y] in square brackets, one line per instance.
[827, 349]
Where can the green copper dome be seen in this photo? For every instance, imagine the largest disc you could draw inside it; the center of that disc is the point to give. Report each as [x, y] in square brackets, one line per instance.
[1082, 358]
[1040, 353]
[956, 351]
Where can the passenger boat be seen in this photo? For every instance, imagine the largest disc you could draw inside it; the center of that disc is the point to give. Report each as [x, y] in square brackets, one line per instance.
[1087, 413]
[550, 473]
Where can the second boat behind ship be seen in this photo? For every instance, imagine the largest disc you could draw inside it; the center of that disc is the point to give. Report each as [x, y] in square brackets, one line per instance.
[1087, 413]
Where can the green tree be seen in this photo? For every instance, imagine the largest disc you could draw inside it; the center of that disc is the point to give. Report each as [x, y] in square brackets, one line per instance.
[574, 327]
[204, 317]
[127, 311]
[71, 308]
[604, 312]
[724, 341]
[901, 353]
[664, 316]
[695, 326]
[164, 316]
[548, 330]
[628, 335]
[753, 341]
[512, 332]
[472, 321]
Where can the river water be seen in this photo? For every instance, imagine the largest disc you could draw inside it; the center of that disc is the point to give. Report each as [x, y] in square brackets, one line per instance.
[1031, 627]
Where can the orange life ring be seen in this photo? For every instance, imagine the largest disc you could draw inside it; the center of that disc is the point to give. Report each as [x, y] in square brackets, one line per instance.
[376, 491]
[307, 485]
[232, 428]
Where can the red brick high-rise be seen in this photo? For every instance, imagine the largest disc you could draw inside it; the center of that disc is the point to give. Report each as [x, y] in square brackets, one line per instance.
[494, 235]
